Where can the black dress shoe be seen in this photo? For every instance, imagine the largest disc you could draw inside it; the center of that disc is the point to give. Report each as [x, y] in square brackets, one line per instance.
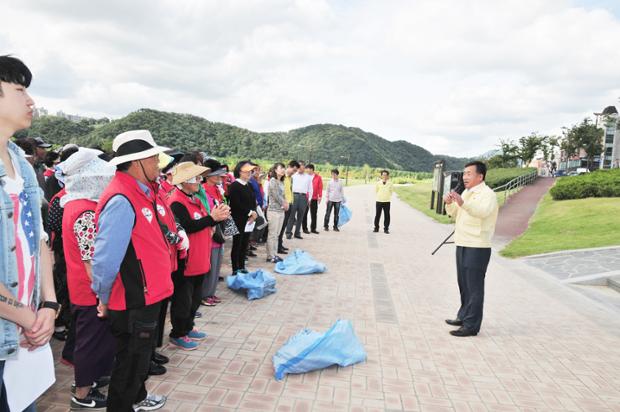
[282, 251]
[298, 237]
[454, 322]
[306, 231]
[156, 369]
[326, 229]
[289, 236]
[160, 359]
[462, 332]
[376, 230]
[315, 232]
[251, 254]
[386, 231]
[336, 229]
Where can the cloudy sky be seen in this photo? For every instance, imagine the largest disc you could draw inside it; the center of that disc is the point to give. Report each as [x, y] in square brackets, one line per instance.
[452, 76]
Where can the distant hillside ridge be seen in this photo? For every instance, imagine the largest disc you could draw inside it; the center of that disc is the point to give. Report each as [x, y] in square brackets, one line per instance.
[320, 143]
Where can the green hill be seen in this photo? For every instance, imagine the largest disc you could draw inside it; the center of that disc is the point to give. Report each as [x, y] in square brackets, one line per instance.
[322, 143]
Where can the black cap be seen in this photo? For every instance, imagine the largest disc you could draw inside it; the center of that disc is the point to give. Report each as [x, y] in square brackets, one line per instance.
[40, 143]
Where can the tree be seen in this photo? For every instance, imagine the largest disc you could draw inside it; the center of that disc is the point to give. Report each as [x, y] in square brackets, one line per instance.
[528, 146]
[509, 154]
[584, 136]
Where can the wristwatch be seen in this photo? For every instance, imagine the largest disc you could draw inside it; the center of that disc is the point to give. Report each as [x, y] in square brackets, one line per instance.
[51, 305]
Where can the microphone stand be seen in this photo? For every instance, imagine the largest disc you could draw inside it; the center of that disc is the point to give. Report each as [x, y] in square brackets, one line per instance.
[445, 242]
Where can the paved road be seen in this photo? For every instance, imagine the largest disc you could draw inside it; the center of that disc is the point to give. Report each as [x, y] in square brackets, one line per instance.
[542, 345]
[515, 214]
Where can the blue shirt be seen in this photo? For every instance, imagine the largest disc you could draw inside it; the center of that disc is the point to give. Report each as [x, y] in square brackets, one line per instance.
[115, 225]
[257, 194]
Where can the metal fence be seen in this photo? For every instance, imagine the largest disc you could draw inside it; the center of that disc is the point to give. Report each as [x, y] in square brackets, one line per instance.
[515, 184]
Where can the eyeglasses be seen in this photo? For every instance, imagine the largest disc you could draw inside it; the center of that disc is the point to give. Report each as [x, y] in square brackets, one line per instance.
[193, 180]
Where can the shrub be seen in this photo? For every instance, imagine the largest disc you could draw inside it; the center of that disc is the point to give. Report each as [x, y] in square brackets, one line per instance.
[600, 183]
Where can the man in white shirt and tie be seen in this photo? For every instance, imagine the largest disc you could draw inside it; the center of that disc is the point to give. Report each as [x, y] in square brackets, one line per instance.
[302, 193]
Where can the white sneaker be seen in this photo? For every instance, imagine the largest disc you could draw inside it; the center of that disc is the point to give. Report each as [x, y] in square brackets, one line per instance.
[150, 403]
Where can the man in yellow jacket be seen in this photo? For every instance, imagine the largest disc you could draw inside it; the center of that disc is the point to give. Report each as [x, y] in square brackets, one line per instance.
[383, 190]
[475, 212]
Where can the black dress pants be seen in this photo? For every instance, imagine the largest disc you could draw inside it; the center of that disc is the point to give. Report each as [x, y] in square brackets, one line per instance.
[135, 331]
[385, 207]
[287, 215]
[185, 302]
[240, 246]
[471, 268]
[313, 209]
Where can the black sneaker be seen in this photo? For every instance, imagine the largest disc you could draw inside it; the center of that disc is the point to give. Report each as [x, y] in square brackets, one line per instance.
[156, 369]
[99, 383]
[94, 401]
[326, 229]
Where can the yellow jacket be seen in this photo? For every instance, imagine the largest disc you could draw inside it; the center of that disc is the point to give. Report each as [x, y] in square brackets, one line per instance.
[288, 189]
[384, 191]
[476, 218]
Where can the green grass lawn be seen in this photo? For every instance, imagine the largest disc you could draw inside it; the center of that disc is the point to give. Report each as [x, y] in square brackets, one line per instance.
[569, 224]
[418, 196]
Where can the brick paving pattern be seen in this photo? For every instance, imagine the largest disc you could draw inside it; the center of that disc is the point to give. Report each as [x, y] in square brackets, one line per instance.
[578, 263]
[542, 345]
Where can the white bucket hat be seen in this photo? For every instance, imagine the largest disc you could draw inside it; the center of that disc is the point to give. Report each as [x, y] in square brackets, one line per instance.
[84, 175]
[134, 145]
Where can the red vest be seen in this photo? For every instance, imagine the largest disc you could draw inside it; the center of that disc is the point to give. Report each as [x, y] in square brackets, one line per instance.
[144, 276]
[166, 216]
[199, 253]
[78, 282]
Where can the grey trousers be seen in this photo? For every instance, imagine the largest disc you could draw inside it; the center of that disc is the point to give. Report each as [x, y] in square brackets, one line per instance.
[300, 203]
[209, 283]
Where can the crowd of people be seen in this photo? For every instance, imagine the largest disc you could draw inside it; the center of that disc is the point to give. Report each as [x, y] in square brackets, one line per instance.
[135, 234]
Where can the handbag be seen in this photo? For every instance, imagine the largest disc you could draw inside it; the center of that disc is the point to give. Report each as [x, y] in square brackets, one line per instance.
[229, 228]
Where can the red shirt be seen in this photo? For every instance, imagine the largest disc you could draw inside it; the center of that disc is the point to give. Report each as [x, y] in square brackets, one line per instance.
[317, 187]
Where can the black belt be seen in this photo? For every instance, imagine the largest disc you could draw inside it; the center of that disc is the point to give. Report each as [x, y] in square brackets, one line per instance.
[297, 193]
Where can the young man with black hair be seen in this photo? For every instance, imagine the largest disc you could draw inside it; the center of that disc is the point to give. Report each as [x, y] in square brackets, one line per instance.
[475, 212]
[315, 201]
[383, 190]
[28, 304]
[335, 197]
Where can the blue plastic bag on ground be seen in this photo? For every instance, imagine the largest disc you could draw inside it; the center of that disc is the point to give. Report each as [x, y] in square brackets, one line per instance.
[258, 284]
[300, 263]
[345, 215]
[309, 350]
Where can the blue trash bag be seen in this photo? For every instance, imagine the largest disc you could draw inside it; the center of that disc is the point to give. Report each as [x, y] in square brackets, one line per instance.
[300, 263]
[258, 284]
[345, 215]
[309, 350]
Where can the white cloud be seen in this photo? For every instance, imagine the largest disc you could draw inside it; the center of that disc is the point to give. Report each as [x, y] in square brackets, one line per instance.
[449, 75]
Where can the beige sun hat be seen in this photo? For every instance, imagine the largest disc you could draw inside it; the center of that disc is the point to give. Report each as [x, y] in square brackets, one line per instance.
[134, 145]
[185, 171]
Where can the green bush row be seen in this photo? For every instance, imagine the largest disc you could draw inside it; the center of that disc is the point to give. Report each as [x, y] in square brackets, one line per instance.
[600, 183]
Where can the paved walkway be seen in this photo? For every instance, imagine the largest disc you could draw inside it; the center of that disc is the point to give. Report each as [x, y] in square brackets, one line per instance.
[578, 263]
[515, 214]
[542, 345]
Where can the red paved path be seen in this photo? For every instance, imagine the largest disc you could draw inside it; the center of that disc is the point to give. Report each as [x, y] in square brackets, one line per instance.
[515, 214]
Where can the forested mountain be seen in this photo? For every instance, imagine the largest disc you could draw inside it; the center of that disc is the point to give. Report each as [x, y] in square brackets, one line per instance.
[320, 143]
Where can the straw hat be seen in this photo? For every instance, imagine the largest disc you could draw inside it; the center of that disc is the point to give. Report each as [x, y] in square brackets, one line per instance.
[185, 171]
